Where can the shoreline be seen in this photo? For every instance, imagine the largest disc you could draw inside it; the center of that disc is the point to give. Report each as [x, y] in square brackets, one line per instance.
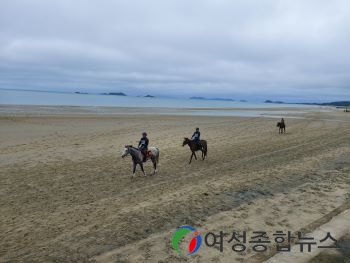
[270, 112]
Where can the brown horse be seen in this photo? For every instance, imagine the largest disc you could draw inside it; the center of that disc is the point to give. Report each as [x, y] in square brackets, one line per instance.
[195, 147]
[281, 127]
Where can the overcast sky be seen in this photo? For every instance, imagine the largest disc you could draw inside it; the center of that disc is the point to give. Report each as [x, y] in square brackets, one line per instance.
[251, 49]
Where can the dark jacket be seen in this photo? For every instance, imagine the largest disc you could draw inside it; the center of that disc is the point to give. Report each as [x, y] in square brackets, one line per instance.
[143, 143]
[196, 136]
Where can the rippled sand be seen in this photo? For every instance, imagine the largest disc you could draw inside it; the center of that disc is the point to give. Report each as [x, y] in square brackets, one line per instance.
[66, 194]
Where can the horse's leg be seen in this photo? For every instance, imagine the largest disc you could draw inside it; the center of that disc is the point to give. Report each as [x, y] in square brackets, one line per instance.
[204, 154]
[191, 158]
[141, 165]
[154, 166]
[195, 156]
[134, 169]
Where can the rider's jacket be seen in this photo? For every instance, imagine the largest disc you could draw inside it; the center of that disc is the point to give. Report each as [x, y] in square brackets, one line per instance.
[196, 136]
[143, 143]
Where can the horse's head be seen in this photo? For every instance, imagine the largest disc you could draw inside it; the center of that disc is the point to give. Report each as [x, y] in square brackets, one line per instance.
[278, 124]
[126, 150]
[186, 140]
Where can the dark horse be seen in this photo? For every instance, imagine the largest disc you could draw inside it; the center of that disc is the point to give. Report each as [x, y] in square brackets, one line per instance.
[195, 147]
[281, 127]
[137, 158]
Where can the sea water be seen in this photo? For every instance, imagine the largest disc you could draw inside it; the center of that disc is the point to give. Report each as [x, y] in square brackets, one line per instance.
[97, 103]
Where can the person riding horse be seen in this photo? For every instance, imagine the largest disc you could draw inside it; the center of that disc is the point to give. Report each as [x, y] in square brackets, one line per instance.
[281, 126]
[143, 145]
[196, 137]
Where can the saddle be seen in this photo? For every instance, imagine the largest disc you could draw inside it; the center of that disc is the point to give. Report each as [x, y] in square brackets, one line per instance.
[148, 155]
[199, 146]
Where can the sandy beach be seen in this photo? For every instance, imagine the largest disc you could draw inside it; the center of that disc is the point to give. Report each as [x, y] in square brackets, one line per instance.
[67, 195]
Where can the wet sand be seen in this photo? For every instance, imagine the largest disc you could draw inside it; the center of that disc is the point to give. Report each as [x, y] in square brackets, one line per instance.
[67, 195]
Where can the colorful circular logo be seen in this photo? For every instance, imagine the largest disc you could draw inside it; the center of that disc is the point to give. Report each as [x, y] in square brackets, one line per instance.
[194, 244]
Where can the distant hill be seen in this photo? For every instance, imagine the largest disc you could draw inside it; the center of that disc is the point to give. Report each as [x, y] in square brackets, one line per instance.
[271, 101]
[202, 98]
[197, 98]
[223, 99]
[115, 93]
[334, 103]
[78, 92]
[149, 96]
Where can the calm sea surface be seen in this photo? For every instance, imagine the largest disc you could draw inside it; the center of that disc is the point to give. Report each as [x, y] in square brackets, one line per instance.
[97, 103]
[19, 97]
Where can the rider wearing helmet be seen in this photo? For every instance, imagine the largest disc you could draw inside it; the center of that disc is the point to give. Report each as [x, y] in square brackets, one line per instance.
[196, 137]
[143, 145]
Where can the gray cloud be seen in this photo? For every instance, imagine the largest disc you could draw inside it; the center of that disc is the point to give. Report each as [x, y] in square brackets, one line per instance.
[249, 49]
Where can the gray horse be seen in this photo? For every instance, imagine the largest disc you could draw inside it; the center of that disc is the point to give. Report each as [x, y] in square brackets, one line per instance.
[136, 156]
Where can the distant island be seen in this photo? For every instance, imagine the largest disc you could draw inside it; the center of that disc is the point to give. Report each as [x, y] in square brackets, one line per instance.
[271, 101]
[202, 98]
[334, 103]
[78, 92]
[149, 96]
[114, 93]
